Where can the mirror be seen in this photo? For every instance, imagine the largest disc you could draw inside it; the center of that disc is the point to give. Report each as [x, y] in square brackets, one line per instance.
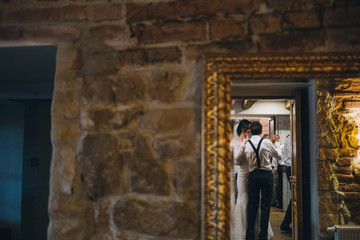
[220, 72]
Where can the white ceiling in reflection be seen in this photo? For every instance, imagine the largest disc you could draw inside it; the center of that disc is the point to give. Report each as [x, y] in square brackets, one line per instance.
[261, 108]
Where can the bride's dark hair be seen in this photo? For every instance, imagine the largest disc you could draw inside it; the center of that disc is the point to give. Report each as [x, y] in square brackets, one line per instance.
[243, 126]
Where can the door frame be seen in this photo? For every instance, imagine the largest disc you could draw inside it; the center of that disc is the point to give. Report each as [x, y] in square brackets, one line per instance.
[296, 180]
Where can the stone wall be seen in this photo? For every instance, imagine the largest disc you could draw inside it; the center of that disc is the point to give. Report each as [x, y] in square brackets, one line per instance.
[338, 142]
[126, 113]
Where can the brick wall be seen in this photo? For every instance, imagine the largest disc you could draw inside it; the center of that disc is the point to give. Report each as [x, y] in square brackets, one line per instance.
[126, 116]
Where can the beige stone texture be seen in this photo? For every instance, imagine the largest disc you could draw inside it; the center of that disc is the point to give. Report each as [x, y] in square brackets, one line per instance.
[100, 158]
[168, 120]
[155, 215]
[166, 86]
[97, 90]
[131, 87]
[148, 174]
[326, 174]
[328, 154]
[328, 211]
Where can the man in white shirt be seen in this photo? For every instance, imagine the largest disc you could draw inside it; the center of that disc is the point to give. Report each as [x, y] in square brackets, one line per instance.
[286, 160]
[261, 180]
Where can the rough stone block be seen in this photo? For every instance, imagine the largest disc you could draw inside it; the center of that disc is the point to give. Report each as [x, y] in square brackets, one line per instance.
[164, 121]
[294, 41]
[322, 2]
[175, 147]
[50, 14]
[348, 153]
[345, 178]
[352, 197]
[160, 55]
[180, 9]
[101, 12]
[166, 86]
[74, 13]
[228, 29]
[55, 32]
[65, 131]
[110, 31]
[353, 141]
[102, 216]
[97, 90]
[302, 19]
[352, 187]
[187, 180]
[130, 87]
[328, 140]
[328, 154]
[98, 119]
[98, 63]
[132, 57]
[127, 118]
[102, 165]
[343, 170]
[352, 104]
[139, 12]
[341, 16]
[265, 23]
[353, 205]
[357, 173]
[171, 32]
[325, 175]
[344, 161]
[9, 33]
[283, 4]
[162, 217]
[329, 206]
[193, 52]
[347, 86]
[148, 174]
[75, 227]
[343, 37]
[67, 106]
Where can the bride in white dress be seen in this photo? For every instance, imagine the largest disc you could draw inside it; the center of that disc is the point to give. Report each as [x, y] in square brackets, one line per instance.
[239, 208]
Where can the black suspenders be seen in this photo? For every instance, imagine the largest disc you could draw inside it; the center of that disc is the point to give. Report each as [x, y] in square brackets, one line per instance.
[256, 150]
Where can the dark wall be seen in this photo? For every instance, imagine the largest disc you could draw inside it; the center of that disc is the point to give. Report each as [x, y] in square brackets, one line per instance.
[11, 147]
[36, 169]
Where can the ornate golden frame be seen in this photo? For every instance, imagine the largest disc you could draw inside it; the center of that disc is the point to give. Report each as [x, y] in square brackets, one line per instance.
[219, 73]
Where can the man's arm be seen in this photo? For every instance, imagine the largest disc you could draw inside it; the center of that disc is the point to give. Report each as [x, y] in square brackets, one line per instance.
[274, 148]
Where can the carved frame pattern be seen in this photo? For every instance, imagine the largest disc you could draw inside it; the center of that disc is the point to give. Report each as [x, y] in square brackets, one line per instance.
[219, 73]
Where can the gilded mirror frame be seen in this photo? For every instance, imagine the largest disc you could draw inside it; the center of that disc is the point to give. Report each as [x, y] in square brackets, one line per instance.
[219, 70]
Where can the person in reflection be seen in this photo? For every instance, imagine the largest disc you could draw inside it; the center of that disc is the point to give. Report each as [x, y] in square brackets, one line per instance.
[238, 221]
[233, 176]
[286, 160]
[239, 211]
[255, 153]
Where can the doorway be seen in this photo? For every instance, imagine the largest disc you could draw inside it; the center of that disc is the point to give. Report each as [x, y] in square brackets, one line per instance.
[297, 96]
[26, 88]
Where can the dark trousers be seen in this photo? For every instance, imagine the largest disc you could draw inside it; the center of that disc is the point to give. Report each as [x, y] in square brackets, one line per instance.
[287, 218]
[280, 186]
[260, 182]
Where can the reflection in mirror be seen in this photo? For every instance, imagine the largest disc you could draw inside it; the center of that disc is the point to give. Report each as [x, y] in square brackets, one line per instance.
[274, 115]
[222, 75]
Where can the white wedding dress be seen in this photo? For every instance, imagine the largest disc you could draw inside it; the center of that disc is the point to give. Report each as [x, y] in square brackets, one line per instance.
[239, 208]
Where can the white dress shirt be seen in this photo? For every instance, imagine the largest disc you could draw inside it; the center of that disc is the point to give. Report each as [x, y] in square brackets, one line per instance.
[286, 153]
[266, 147]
